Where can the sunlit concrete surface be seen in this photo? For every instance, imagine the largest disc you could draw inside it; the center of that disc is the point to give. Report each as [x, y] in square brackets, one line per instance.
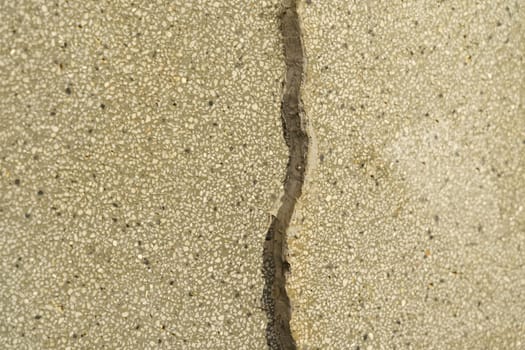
[411, 231]
[141, 153]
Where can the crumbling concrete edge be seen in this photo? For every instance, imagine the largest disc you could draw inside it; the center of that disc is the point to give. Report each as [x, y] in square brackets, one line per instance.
[275, 265]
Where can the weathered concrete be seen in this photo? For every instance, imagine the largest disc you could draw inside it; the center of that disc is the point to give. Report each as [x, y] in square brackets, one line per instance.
[275, 264]
[142, 158]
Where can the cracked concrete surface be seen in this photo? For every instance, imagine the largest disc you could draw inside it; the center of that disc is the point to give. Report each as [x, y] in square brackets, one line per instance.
[142, 164]
[275, 264]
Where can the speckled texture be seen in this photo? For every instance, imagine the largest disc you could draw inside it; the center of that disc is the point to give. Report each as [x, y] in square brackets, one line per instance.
[141, 152]
[410, 233]
[141, 155]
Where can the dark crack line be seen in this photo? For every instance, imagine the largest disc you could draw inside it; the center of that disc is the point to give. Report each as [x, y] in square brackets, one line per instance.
[275, 265]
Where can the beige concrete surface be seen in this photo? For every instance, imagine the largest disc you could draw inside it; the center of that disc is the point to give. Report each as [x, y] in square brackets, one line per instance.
[141, 152]
[411, 229]
[142, 155]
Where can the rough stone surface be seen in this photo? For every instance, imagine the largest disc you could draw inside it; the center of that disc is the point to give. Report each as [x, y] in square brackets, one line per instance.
[141, 152]
[142, 155]
[410, 232]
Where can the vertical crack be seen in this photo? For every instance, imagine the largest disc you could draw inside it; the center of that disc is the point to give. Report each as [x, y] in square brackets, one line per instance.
[275, 265]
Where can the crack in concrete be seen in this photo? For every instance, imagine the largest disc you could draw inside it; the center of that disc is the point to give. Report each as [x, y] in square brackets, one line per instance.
[275, 265]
